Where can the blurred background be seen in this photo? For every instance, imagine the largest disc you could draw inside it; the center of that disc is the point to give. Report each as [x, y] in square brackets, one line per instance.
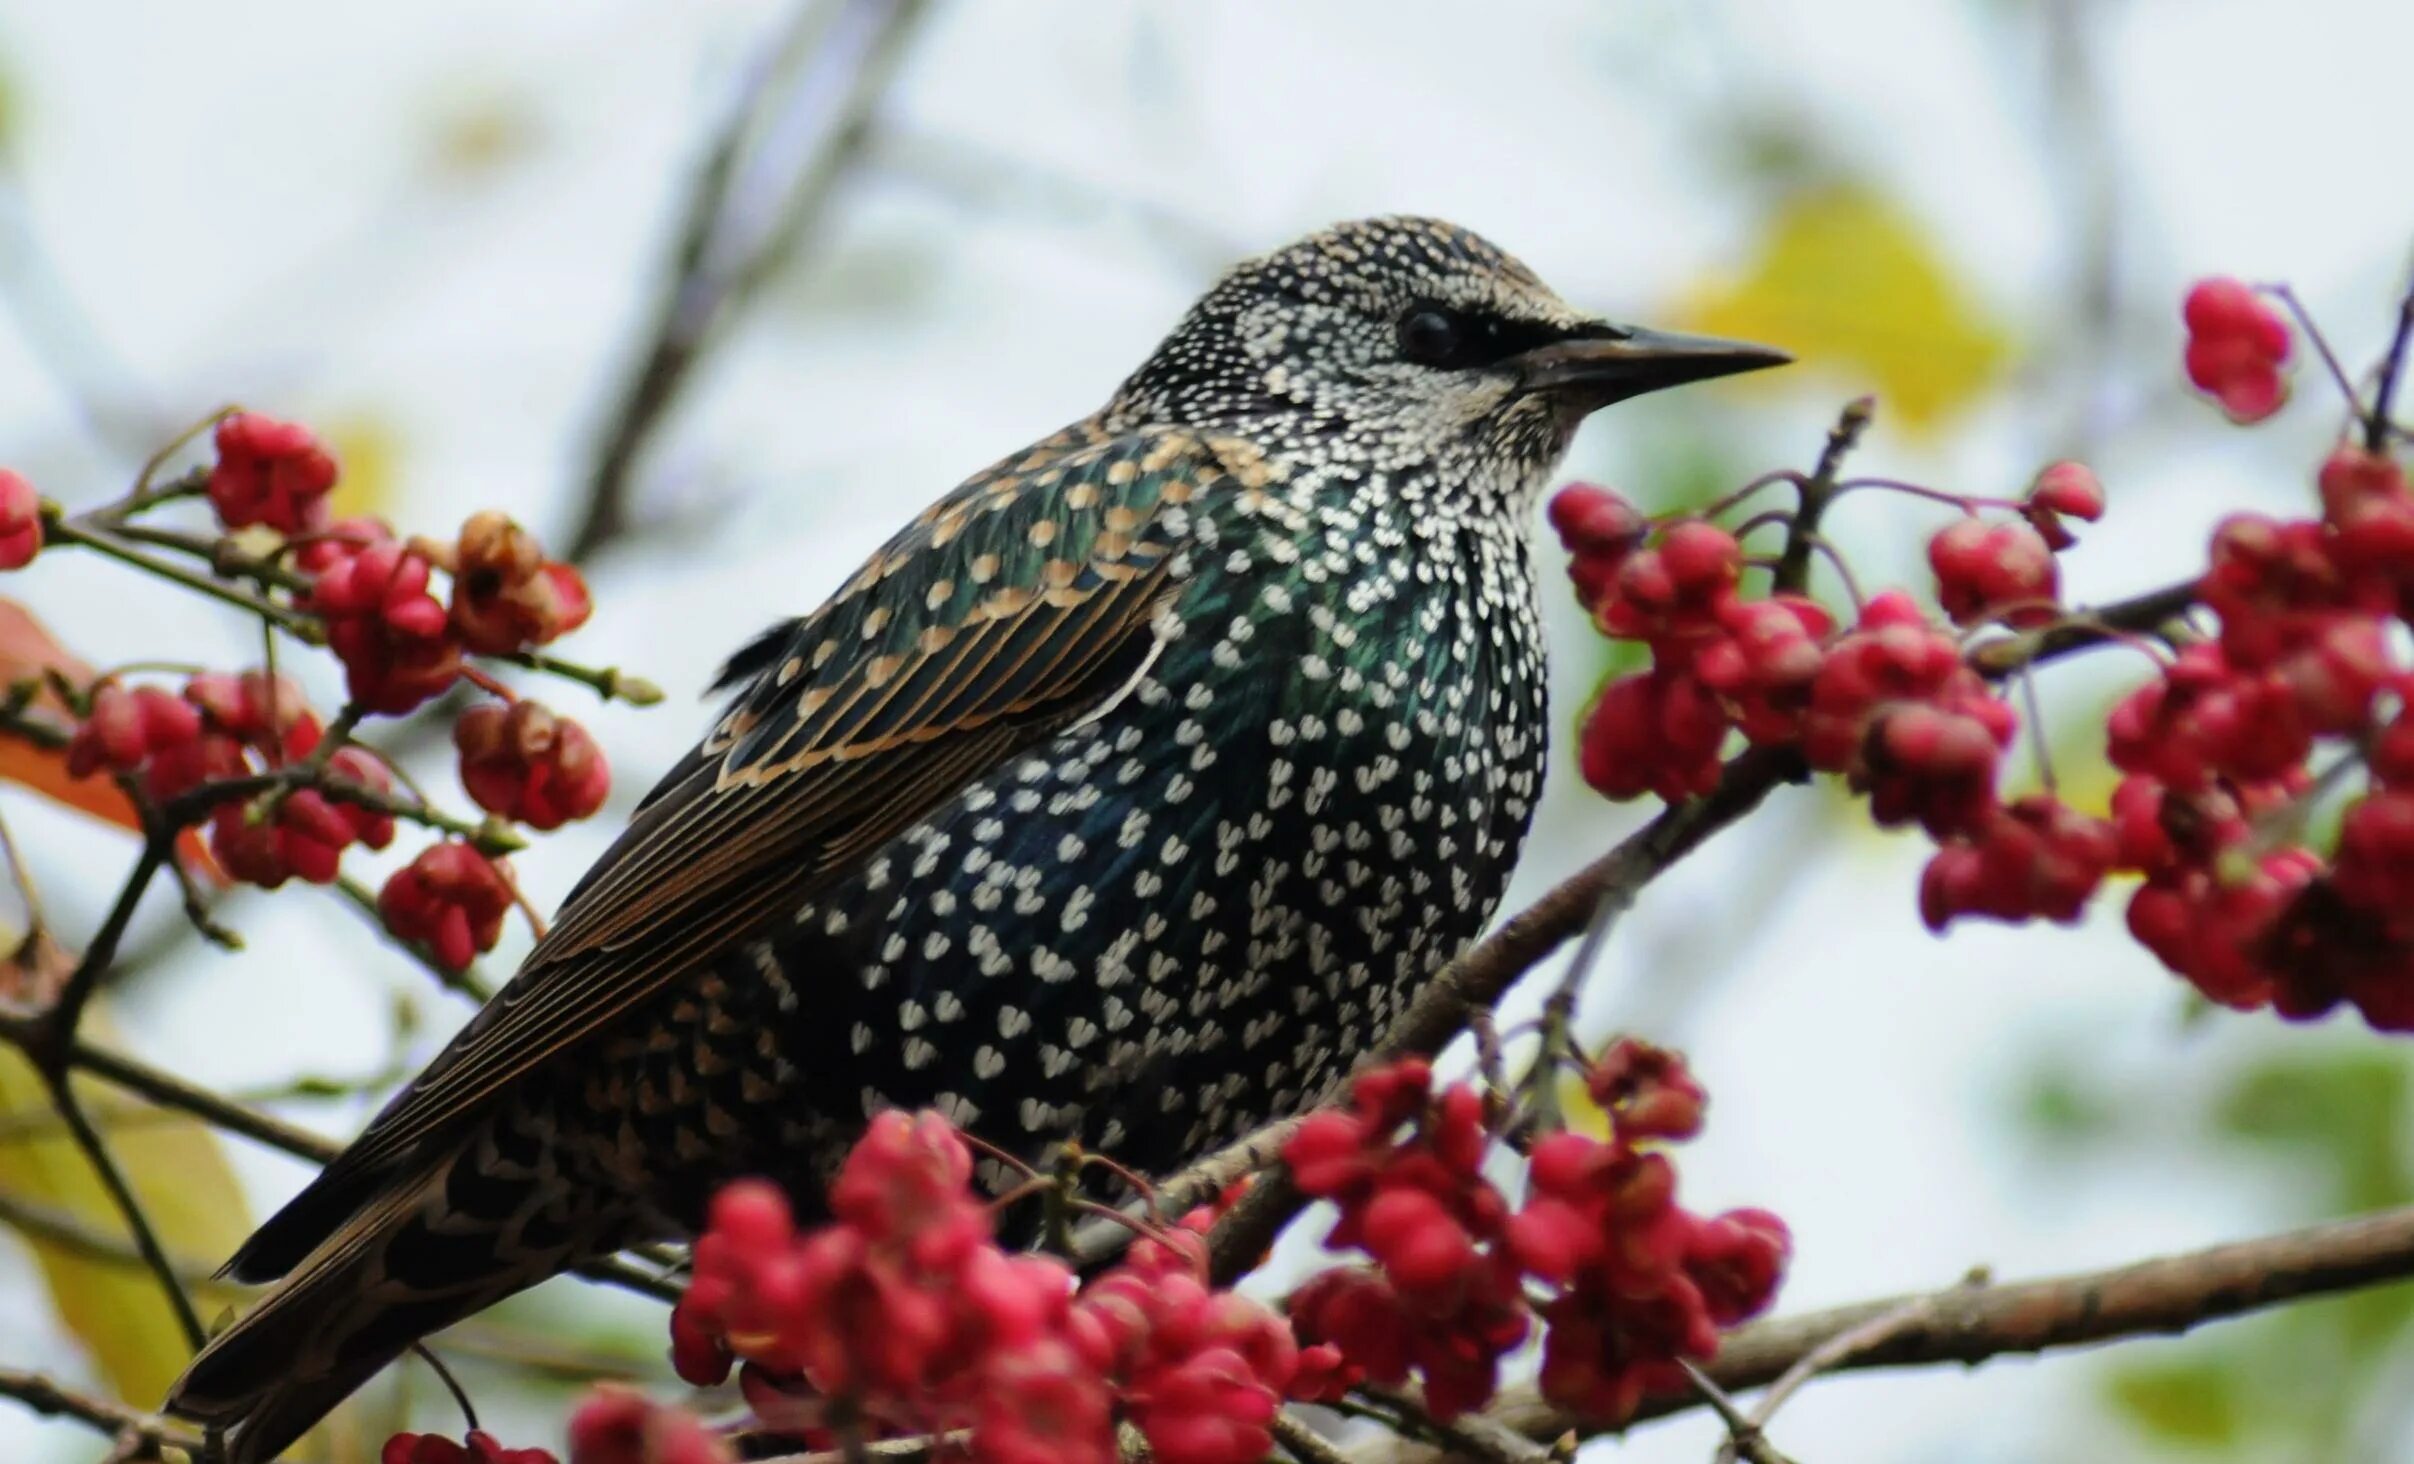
[716, 294]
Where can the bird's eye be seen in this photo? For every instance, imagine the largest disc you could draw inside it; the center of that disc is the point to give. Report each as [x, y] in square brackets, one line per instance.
[1432, 336]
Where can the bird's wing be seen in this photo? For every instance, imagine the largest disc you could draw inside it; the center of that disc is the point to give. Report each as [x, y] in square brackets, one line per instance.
[1017, 605]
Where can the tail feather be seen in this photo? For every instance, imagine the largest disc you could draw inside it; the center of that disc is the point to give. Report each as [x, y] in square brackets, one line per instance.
[424, 1253]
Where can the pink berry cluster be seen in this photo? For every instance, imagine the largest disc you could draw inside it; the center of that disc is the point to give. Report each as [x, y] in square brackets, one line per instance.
[479, 1447]
[1632, 1281]
[2236, 347]
[2219, 750]
[2236, 747]
[399, 643]
[904, 1314]
[403, 636]
[1889, 702]
[224, 726]
[611, 1425]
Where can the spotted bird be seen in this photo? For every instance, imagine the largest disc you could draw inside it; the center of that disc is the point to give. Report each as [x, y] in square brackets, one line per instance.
[1125, 795]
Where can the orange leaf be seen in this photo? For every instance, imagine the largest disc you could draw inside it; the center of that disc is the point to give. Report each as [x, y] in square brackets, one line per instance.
[29, 650]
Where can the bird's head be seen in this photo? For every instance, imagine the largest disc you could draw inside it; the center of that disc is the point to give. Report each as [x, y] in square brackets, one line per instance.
[1402, 345]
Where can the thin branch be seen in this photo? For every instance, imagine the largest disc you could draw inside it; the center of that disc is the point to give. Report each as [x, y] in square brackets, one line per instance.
[129, 1205]
[2392, 370]
[1834, 1352]
[798, 126]
[1792, 574]
[53, 1400]
[1743, 1435]
[1304, 1443]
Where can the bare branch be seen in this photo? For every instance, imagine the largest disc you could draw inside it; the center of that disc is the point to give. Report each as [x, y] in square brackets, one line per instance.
[46, 1397]
[1967, 1323]
[798, 126]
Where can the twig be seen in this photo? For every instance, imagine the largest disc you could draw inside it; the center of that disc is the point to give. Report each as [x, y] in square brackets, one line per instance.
[70, 1232]
[1304, 1443]
[1792, 574]
[51, 1399]
[1833, 1352]
[1968, 1323]
[2392, 370]
[1743, 1435]
[66, 1009]
[799, 124]
[129, 1205]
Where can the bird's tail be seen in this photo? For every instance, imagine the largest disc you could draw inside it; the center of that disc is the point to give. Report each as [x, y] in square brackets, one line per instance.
[419, 1255]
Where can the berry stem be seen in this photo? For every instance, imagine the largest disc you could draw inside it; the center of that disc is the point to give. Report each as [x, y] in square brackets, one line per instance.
[1967, 503]
[1792, 574]
[2392, 370]
[1737, 498]
[2287, 296]
[609, 682]
[142, 495]
[65, 530]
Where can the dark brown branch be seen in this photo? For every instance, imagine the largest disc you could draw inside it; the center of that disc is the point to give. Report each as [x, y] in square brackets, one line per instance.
[731, 236]
[2392, 371]
[1969, 1324]
[129, 1205]
[111, 1418]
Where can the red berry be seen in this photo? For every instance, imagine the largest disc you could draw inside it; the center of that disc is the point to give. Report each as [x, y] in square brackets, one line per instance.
[525, 763]
[20, 521]
[507, 596]
[1988, 571]
[451, 899]
[270, 472]
[2236, 346]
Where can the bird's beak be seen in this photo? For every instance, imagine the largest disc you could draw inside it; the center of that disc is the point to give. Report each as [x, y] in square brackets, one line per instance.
[1622, 362]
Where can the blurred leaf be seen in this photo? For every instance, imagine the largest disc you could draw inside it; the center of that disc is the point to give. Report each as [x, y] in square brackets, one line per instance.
[2058, 1102]
[178, 1172]
[477, 136]
[2342, 1111]
[1576, 1105]
[27, 651]
[2188, 1401]
[368, 447]
[1845, 278]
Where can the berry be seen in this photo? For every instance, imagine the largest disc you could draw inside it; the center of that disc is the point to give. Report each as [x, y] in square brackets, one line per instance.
[524, 763]
[20, 521]
[451, 899]
[2236, 346]
[269, 472]
[1994, 571]
[304, 834]
[391, 634]
[615, 1425]
[478, 1447]
[507, 596]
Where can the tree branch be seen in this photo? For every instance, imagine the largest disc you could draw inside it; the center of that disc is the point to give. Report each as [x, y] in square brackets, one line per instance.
[51, 1399]
[797, 127]
[1968, 1323]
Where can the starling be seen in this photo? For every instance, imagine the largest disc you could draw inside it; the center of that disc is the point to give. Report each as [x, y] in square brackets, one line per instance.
[1124, 796]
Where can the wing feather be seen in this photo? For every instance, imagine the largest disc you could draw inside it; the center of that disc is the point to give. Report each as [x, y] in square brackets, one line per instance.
[1055, 584]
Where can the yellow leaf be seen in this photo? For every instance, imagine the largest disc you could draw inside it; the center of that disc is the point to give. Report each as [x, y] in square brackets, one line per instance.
[1846, 279]
[369, 450]
[178, 1171]
[1578, 1110]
